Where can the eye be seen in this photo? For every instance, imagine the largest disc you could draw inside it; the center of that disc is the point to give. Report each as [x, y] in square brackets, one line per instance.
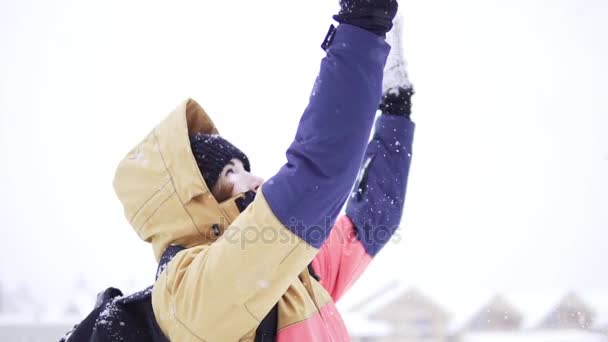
[229, 171]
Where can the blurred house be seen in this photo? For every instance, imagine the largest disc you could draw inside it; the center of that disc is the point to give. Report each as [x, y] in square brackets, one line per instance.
[570, 313]
[497, 315]
[410, 315]
[414, 317]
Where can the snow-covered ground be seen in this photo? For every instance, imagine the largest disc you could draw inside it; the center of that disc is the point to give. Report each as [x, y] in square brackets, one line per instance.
[536, 336]
[32, 332]
[46, 327]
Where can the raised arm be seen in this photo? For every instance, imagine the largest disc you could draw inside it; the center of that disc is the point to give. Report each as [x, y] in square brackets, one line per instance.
[374, 209]
[375, 206]
[307, 194]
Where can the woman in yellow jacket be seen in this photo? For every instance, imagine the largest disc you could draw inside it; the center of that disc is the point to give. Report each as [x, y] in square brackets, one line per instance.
[246, 246]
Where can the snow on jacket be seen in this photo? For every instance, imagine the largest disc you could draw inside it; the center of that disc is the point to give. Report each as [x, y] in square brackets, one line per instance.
[221, 287]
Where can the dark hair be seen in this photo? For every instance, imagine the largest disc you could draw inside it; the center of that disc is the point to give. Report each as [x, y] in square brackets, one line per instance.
[222, 192]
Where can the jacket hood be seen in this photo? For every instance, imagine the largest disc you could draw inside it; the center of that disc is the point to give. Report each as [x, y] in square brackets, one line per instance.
[164, 195]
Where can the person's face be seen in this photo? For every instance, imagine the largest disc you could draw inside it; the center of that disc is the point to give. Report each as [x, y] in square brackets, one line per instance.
[234, 180]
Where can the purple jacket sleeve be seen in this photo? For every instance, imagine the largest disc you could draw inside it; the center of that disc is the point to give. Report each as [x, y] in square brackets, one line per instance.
[376, 204]
[308, 192]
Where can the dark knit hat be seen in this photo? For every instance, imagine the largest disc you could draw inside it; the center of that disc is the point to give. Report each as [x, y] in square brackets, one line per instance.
[212, 153]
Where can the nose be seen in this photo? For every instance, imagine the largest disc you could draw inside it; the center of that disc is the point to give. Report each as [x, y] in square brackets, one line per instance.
[256, 182]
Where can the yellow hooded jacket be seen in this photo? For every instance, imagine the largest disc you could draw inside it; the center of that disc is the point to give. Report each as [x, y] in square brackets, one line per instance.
[167, 202]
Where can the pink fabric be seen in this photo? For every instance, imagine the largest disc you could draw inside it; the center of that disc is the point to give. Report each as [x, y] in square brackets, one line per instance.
[341, 260]
[326, 326]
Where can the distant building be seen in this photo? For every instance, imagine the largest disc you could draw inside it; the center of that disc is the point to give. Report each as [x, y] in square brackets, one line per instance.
[412, 317]
[570, 313]
[497, 315]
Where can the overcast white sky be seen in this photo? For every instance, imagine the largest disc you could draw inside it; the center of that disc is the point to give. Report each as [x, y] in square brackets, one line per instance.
[508, 189]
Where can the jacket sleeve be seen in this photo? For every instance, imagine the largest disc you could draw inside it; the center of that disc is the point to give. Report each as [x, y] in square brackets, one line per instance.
[221, 292]
[374, 209]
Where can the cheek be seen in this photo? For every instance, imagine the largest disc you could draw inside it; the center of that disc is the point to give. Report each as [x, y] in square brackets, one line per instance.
[239, 185]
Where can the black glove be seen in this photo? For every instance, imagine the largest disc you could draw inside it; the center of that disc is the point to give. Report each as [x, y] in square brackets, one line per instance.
[397, 102]
[372, 15]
